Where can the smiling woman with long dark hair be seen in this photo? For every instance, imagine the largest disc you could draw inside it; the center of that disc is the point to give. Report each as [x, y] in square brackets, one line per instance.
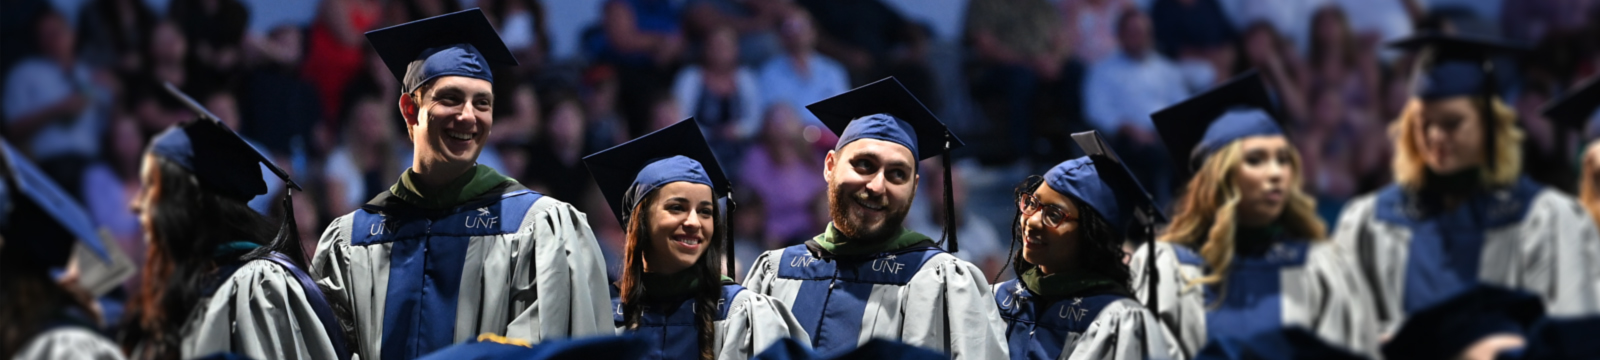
[665, 188]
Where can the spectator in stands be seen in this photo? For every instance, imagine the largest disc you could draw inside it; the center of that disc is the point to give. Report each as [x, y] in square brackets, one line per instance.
[1196, 31]
[55, 108]
[214, 30]
[755, 21]
[643, 39]
[873, 41]
[369, 153]
[524, 28]
[801, 76]
[279, 107]
[780, 169]
[112, 33]
[980, 240]
[721, 95]
[1024, 66]
[1121, 92]
[1093, 25]
[337, 43]
[555, 162]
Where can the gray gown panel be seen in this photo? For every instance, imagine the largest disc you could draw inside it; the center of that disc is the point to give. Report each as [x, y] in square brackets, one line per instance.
[69, 343]
[1181, 307]
[545, 281]
[947, 306]
[1120, 332]
[260, 312]
[1552, 252]
[754, 323]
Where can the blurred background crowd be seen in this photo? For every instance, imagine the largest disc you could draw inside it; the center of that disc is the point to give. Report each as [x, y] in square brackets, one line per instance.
[81, 90]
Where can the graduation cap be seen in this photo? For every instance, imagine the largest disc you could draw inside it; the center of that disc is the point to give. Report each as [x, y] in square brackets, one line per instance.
[1453, 64]
[42, 222]
[629, 172]
[1288, 343]
[223, 162]
[1448, 327]
[885, 110]
[1577, 110]
[1197, 127]
[593, 347]
[461, 43]
[1103, 181]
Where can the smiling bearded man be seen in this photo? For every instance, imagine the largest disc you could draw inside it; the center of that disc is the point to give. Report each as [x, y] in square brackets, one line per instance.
[867, 276]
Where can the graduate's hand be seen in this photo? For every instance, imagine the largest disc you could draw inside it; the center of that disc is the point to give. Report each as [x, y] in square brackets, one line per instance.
[1488, 347]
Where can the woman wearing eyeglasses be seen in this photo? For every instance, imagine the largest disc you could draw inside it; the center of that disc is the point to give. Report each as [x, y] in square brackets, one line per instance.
[1246, 255]
[1071, 298]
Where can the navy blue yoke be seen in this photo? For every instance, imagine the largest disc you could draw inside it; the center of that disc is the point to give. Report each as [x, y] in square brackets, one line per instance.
[425, 264]
[1037, 328]
[834, 290]
[671, 329]
[1447, 246]
[1250, 300]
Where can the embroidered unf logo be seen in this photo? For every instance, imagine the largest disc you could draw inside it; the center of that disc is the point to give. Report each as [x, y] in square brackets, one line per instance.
[379, 228]
[1074, 310]
[802, 261]
[887, 265]
[483, 220]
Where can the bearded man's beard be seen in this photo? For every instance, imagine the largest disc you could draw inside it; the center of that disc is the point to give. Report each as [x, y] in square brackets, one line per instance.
[840, 204]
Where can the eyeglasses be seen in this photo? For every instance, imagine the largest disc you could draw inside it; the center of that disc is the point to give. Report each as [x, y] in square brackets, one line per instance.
[1054, 215]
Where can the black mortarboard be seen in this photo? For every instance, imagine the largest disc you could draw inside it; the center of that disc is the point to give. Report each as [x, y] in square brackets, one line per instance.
[1453, 64]
[1104, 182]
[1446, 328]
[221, 160]
[1290, 343]
[627, 173]
[461, 43]
[1576, 110]
[1196, 127]
[43, 222]
[885, 110]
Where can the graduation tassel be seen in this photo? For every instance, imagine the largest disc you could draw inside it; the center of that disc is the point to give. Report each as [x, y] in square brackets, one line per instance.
[949, 197]
[727, 245]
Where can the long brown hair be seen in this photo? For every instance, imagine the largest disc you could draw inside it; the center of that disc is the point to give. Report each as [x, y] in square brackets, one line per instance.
[187, 225]
[631, 285]
[1207, 213]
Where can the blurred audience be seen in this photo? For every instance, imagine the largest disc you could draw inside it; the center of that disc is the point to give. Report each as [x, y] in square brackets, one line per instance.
[56, 105]
[784, 171]
[1121, 92]
[755, 21]
[800, 75]
[1024, 75]
[721, 95]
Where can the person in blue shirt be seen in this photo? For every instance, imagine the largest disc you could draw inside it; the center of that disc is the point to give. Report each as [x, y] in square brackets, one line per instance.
[667, 190]
[1246, 253]
[1071, 298]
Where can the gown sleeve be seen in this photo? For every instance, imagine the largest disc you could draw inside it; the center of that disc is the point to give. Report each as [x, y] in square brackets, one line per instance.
[965, 321]
[69, 343]
[1121, 332]
[1182, 308]
[260, 312]
[1564, 269]
[1342, 312]
[569, 277]
[331, 269]
[762, 272]
[754, 323]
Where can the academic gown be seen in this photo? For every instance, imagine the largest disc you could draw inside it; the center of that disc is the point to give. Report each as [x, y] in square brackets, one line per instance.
[917, 294]
[70, 337]
[511, 262]
[746, 324]
[1291, 283]
[1526, 236]
[1096, 325]
[260, 311]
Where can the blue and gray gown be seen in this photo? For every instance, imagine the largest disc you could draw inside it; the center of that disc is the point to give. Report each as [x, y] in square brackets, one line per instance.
[917, 294]
[1289, 283]
[746, 324]
[261, 311]
[511, 262]
[1096, 325]
[71, 335]
[1526, 236]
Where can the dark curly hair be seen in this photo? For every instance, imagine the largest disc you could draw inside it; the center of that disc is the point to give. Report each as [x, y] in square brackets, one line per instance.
[1101, 253]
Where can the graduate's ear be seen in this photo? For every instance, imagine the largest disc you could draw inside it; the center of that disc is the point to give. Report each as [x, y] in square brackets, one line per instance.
[827, 166]
[408, 110]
